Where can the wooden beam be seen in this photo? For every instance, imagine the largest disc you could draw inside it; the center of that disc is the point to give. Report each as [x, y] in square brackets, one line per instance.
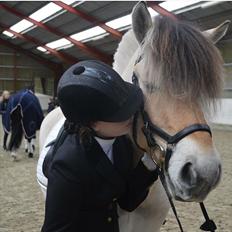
[87, 49]
[93, 20]
[47, 63]
[155, 6]
[62, 56]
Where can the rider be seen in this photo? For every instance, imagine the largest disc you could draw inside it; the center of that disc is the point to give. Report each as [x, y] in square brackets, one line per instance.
[3, 106]
[92, 171]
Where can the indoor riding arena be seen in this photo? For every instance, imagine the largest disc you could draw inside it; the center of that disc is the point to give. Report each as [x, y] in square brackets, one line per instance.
[22, 203]
[40, 40]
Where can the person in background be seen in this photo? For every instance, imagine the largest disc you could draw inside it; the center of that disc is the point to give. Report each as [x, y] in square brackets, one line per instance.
[92, 170]
[3, 106]
[52, 104]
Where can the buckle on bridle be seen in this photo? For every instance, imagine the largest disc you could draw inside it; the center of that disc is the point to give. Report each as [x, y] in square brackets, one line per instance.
[148, 135]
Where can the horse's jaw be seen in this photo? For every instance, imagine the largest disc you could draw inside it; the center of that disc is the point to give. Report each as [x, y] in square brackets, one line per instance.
[193, 171]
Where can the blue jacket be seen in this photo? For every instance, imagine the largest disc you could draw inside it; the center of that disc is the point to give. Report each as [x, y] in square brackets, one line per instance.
[3, 108]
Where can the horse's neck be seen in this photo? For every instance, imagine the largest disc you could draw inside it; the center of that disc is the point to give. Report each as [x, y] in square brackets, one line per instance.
[126, 55]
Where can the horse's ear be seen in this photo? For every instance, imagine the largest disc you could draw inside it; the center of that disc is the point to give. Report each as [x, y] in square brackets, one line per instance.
[141, 20]
[217, 33]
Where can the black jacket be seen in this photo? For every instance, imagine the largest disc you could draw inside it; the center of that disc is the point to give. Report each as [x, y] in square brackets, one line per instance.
[3, 106]
[84, 187]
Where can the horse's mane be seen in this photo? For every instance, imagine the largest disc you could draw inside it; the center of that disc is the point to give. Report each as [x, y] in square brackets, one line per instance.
[179, 62]
[126, 53]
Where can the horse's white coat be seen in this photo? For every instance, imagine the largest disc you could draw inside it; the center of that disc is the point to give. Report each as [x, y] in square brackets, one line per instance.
[51, 131]
[126, 55]
[187, 150]
[49, 122]
[149, 216]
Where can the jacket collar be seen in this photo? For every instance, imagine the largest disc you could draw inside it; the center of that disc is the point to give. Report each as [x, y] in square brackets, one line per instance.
[122, 155]
[99, 160]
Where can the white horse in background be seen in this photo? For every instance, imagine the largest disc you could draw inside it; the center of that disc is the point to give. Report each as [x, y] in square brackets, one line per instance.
[175, 59]
[23, 117]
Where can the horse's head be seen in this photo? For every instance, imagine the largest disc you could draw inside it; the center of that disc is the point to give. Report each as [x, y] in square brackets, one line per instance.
[180, 73]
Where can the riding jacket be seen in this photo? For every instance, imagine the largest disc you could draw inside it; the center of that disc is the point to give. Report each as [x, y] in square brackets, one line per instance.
[85, 187]
[3, 106]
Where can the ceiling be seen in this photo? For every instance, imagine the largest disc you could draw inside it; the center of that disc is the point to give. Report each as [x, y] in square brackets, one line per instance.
[68, 23]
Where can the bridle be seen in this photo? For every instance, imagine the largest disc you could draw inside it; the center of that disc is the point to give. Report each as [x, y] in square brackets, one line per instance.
[150, 130]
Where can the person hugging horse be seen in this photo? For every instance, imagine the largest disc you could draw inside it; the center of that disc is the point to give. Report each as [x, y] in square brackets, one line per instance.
[3, 106]
[91, 172]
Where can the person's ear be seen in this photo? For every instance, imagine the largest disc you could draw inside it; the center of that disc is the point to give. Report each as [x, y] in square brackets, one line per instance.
[95, 126]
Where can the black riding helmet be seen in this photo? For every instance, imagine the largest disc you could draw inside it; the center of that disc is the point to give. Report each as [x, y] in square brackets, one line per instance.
[93, 91]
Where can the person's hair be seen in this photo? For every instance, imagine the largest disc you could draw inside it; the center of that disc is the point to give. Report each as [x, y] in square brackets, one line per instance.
[4, 93]
[81, 129]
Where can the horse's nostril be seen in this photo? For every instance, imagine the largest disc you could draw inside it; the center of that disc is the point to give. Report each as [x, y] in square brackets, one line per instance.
[188, 174]
[219, 169]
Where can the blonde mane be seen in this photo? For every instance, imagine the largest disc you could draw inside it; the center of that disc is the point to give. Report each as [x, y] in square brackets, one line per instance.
[125, 56]
[182, 63]
[178, 61]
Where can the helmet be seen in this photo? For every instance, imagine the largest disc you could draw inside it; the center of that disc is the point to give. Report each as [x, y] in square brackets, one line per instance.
[92, 91]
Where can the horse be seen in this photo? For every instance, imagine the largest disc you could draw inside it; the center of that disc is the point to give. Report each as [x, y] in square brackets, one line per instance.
[180, 71]
[23, 117]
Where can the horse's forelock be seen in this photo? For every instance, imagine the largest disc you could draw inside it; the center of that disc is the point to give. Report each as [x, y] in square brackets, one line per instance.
[181, 62]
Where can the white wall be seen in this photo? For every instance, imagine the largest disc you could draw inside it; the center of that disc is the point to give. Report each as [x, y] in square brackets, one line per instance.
[224, 112]
[223, 115]
[43, 99]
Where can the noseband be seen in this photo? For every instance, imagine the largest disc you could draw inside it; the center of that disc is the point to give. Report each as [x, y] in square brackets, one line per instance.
[149, 131]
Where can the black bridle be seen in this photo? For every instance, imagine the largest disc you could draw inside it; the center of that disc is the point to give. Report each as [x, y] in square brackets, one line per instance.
[150, 130]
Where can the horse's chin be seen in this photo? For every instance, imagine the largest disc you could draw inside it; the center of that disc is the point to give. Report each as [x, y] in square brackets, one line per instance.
[180, 199]
[186, 194]
[189, 198]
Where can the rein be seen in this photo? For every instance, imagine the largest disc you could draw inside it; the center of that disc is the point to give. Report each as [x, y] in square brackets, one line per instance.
[149, 130]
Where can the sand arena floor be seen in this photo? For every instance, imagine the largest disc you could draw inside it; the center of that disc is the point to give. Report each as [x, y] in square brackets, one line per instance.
[22, 203]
